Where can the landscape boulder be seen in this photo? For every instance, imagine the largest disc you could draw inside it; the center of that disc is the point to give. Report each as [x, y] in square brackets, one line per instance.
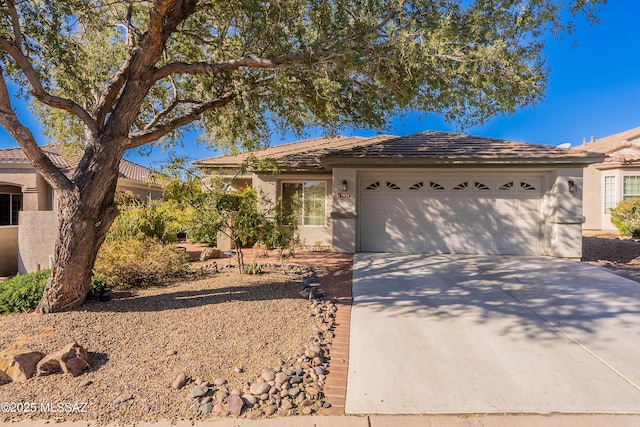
[73, 359]
[209, 253]
[18, 365]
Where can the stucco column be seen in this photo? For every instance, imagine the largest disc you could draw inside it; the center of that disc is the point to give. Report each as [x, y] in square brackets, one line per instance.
[344, 215]
[567, 219]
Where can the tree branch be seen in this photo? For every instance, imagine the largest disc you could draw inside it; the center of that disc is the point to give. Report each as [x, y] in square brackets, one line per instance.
[110, 94]
[149, 135]
[38, 90]
[43, 164]
[15, 23]
[234, 64]
[157, 18]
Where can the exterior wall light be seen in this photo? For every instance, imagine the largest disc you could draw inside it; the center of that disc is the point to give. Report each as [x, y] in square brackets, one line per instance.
[572, 186]
[345, 185]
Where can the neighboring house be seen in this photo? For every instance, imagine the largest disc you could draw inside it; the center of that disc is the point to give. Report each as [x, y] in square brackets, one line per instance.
[616, 178]
[431, 192]
[28, 206]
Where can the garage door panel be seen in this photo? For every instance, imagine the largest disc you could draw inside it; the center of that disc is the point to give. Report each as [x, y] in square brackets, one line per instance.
[532, 205]
[486, 216]
[374, 224]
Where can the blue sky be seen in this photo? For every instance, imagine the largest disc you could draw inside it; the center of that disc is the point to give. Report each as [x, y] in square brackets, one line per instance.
[594, 89]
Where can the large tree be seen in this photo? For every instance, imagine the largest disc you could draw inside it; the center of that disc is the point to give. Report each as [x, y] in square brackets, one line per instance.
[113, 75]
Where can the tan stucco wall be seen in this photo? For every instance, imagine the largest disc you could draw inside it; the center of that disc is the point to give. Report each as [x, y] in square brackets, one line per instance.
[36, 238]
[8, 250]
[310, 236]
[592, 198]
[344, 216]
[140, 190]
[36, 192]
[563, 227]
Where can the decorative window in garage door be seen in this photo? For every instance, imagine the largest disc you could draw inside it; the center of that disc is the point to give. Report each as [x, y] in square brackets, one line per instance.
[481, 186]
[392, 186]
[389, 185]
[373, 186]
[531, 184]
[461, 186]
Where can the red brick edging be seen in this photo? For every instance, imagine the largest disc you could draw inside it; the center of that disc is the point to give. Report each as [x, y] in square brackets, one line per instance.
[338, 281]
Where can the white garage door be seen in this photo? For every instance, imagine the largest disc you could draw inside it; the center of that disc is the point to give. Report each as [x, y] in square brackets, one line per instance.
[436, 213]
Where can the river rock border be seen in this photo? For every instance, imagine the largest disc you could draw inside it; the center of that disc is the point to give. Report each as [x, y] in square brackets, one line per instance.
[293, 388]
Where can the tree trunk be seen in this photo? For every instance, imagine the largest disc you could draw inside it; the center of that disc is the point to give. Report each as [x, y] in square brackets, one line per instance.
[84, 219]
[240, 255]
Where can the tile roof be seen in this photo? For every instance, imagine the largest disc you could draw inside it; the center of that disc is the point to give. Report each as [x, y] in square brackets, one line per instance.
[612, 143]
[67, 163]
[296, 155]
[428, 147]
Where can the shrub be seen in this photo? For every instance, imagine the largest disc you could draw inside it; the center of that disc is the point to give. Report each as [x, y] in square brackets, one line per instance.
[22, 293]
[252, 268]
[98, 284]
[138, 219]
[140, 262]
[626, 217]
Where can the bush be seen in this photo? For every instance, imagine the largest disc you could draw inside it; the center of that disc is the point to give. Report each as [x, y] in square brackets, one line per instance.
[22, 293]
[140, 262]
[252, 268]
[626, 217]
[98, 284]
[138, 219]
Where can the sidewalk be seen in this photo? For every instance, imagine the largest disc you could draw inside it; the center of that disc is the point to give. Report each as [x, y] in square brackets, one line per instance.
[552, 420]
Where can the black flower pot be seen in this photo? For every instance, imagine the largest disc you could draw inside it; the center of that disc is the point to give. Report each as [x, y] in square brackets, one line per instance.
[105, 296]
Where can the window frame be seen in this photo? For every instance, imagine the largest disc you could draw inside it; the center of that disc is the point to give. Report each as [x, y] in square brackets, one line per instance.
[13, 215]
[609, 194]
[626, 196]
[302, 216]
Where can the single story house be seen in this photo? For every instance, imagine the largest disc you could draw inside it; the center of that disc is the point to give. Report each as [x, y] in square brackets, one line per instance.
[432, 192]
[28, 206]
[612, 180]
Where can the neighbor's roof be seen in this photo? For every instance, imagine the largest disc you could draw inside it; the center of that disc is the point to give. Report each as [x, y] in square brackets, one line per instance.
[67, 163]
[613, 143]
[423, 148]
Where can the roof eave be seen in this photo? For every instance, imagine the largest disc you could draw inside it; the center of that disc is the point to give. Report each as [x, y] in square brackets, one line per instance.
[334, 161]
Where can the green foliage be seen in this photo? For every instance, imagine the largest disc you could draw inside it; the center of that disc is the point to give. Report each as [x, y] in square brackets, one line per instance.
[252, 268]
[140, 262]
[626, 217]
[329, 64]
[191, 206]
[22, 293]
[153, 218]
[98, 284]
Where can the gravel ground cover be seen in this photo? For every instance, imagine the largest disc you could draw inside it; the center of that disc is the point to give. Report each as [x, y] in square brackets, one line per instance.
[622, 255]
[216, 326]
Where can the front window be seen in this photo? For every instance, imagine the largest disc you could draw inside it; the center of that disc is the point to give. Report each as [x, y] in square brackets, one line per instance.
[310, 197]
[631, 187]
[609, 193]
[10, 205]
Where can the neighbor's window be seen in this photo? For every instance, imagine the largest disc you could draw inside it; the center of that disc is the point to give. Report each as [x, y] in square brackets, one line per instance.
[609, 193]
[311, 198]
[10, 205]
[631, 187]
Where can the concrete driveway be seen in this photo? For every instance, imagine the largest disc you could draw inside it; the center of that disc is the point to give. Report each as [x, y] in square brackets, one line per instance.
[455, 334]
